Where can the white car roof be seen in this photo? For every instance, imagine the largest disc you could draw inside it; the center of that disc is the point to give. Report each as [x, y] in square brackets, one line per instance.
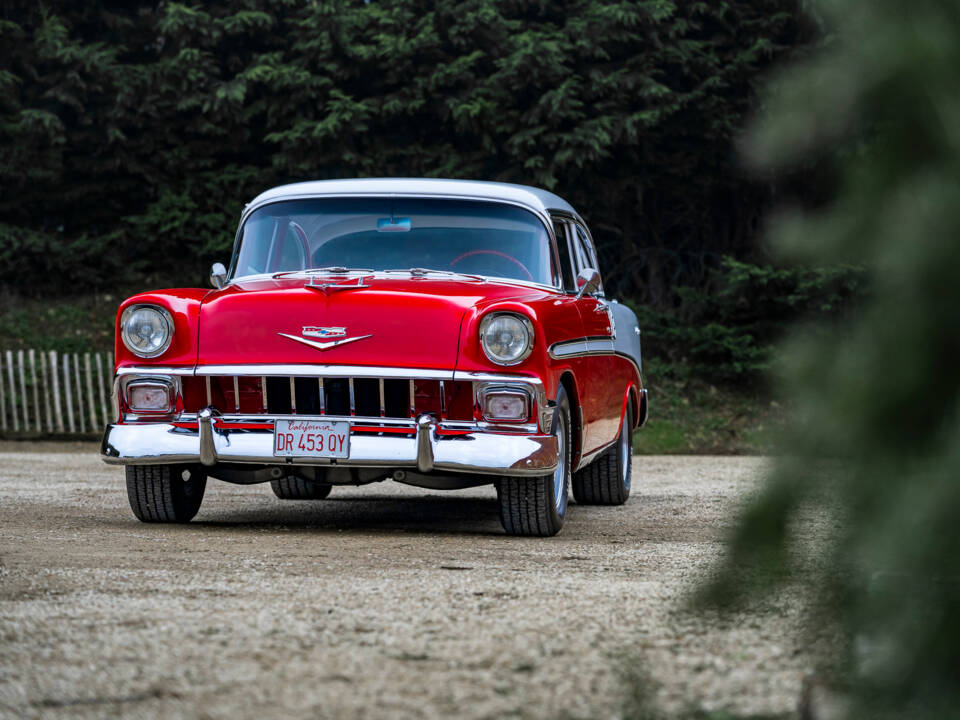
[541, 201]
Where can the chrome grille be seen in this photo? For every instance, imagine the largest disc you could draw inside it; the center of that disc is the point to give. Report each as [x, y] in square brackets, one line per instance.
[385, 397]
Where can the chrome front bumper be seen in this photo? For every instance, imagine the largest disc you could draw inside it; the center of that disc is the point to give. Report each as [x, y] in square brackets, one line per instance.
[425, 447]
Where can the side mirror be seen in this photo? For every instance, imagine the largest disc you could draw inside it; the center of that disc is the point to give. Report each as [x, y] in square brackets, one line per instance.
[218, 275]
[588, 281]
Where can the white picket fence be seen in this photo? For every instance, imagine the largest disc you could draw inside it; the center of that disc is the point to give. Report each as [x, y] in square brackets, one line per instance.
[51, 392]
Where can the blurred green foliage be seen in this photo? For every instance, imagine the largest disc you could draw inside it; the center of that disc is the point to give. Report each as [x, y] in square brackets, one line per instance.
[729, 328]
[131, 133]
[878, 393]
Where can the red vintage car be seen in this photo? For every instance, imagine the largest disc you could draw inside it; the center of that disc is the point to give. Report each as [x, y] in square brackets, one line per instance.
[440, 333]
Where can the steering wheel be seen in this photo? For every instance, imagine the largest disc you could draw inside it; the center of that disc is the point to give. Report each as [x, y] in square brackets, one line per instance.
[503, 255]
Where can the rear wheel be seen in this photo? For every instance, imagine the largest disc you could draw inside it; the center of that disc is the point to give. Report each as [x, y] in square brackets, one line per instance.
[295, 488]
[537, 506]
[165, 493]
[606, 481]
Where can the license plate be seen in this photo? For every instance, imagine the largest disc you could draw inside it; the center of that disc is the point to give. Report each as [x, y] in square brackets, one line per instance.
[311, 438]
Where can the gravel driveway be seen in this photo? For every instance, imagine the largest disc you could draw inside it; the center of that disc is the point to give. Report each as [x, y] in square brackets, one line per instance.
[382, 601]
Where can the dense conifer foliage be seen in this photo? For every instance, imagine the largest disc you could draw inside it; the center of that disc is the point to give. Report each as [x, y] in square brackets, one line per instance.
[132, 132]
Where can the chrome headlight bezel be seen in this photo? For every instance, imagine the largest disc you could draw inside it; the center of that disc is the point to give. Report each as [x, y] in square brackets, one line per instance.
[165, 316]
[524, 322]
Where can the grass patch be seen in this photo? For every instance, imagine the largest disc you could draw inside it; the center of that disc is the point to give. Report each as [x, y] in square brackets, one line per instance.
[691, 416]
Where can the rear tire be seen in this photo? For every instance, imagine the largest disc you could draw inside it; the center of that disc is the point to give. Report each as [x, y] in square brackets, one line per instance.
[295, 488]
[165, 493]
[606, 481]
[537, 506]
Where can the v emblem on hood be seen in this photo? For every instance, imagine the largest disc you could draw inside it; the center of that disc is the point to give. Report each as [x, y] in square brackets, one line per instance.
[325, 345]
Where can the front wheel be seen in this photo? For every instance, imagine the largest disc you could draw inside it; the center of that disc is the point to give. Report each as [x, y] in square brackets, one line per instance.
[165, 493]
[606, 481]
[537, 506]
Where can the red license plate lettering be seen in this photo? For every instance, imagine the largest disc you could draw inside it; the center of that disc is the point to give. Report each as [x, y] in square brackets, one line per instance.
[311, 438]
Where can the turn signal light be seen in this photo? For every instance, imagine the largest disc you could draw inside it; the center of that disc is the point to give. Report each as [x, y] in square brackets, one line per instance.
[505, 406]
[149, 398]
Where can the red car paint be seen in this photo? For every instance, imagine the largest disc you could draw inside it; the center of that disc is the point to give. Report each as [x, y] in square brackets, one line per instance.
[414, 322]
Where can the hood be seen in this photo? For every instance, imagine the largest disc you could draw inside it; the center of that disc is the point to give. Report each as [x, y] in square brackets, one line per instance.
[394, 322]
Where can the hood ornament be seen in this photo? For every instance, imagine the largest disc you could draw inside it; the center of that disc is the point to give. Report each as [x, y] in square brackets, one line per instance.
[324, 286]
[324, 332]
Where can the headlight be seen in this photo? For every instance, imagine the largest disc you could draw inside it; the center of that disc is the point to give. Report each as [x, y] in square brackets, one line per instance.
[146, 330]
[507, 339]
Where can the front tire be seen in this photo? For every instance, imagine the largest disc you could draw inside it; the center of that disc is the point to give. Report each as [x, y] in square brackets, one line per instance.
[606, 481]
[165, 493]
[537, 506]
[294, 488]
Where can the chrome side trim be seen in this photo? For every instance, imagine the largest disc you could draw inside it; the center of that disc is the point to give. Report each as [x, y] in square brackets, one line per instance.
[592, 455]
[582, 347]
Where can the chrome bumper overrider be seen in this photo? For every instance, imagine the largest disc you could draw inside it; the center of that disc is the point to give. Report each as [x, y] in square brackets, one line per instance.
[425, 448]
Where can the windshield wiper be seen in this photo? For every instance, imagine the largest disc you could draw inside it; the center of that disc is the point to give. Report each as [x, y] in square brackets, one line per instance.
[332, 269]
[422, 272]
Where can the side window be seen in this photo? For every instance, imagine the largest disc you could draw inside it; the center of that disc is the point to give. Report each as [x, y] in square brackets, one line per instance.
[567, 267]
[586, 253]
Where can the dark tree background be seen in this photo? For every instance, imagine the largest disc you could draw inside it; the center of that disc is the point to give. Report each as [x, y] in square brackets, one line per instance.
[131, 134]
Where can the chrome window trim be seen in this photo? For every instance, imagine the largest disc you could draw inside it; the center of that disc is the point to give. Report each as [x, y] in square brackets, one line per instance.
[575, 220]
[540, 213]
[387, 275]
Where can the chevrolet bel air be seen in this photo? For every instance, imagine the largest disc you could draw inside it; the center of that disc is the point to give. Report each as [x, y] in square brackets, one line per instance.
[440, 333]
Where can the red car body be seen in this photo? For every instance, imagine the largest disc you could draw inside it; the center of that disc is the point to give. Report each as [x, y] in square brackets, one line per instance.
[284, 344]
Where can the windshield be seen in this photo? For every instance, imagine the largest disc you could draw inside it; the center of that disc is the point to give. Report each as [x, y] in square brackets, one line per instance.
[470, 237]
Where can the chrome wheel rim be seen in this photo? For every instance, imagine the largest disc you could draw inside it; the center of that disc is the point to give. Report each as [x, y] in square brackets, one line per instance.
[560, 474]
[625, 453]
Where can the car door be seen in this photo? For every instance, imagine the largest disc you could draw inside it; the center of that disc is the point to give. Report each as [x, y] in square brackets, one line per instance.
[602, 402]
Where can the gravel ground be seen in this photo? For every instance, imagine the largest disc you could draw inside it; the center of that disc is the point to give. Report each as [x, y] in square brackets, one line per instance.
[382, 601]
